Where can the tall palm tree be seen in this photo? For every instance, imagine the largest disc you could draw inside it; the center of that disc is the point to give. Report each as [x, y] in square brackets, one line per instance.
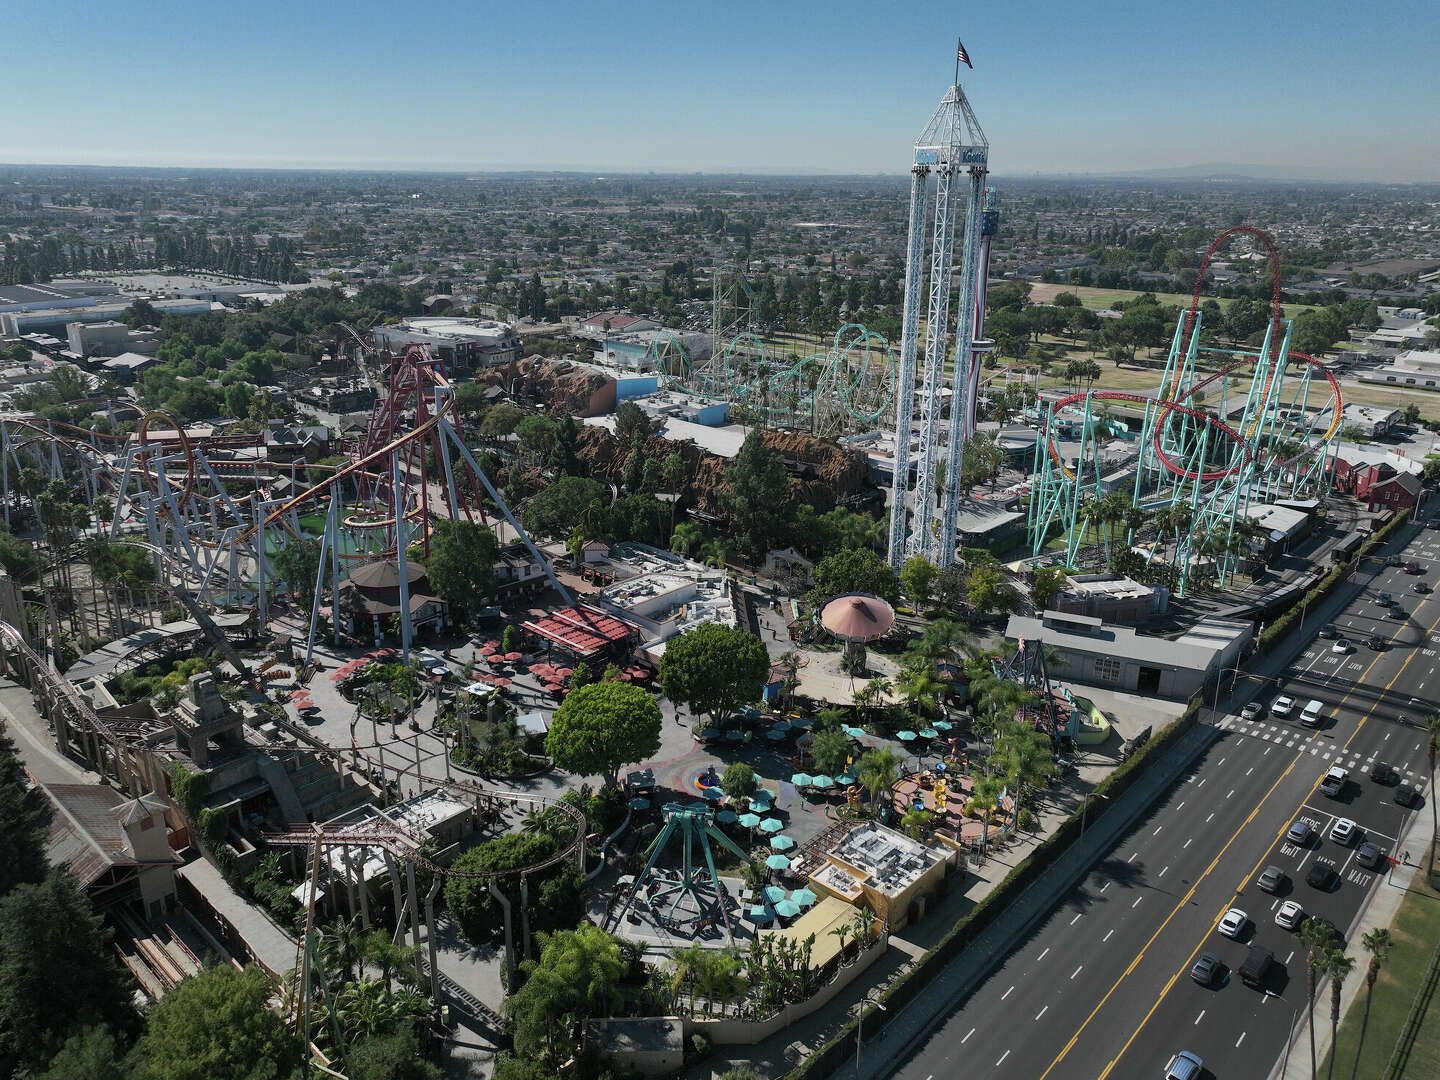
[1316, 939]
[985, 797]
[920, 687]
[1378, 944]
[877, 772]
[1337, 966]
[1432, 729]
[343, 942]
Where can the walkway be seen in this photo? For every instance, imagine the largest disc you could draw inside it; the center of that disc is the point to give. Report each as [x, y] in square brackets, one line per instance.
[267, 943]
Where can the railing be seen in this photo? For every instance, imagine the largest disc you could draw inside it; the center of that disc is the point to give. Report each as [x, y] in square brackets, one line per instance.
[1400, 1056]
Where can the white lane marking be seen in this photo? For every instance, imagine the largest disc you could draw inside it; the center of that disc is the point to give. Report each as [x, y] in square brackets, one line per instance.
[967, 1036]
[1290, 957]
[1212, 814]
[1078, 970]
[1161, 874]
[1249, 770]
[1105, 886]
[1007, 1054]
[1237, 1041]
[1132, 857]
[1007, 993]
[1159, 827]
[1137, 902]
[1180, 807]
[1042, 1012]
[1043, 954]
[1222, 761]
[1202, 783]
[1186, 844]
[1076, 918]
[1200, 1017]
[1107, 935]
[1267, 750]
[1231, 795]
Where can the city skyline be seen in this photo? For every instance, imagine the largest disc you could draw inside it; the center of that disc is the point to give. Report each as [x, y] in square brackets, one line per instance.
[645, 89]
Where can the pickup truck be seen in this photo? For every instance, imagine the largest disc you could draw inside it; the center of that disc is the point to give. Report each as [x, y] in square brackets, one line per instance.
[1335, 781]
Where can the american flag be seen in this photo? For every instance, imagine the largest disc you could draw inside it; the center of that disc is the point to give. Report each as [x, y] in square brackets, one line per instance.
[961, 56]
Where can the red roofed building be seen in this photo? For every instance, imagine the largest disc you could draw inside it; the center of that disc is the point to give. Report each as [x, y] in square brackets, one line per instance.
[1399, 492]
[584, 632]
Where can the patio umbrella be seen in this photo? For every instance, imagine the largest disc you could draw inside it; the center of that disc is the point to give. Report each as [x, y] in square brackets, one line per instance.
[639, 803]
[778, 862]
[853, 732]
[929, 733]
[773, 893]
[761, 913]
[494, 659]
[511, 657]
[771, 825]
[500, 682]
[564, 672]
[845, 779]
[801, 779]
[782, 842]
[787, 909]
[906, 735]
[781, 725]
[712, 792]
[734, 736]
[803, 897]
[761, 799]
[710, 733]
[822, 781]
[942, 725]
[727, 817]
[749, 820]
[776, 734]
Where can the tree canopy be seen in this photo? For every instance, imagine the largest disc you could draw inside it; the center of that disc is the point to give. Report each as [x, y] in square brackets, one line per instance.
[26, 815]
[859, 570]
[600, 727]
[757, 498]
[714, 669]
[461, 564]
[555, 511]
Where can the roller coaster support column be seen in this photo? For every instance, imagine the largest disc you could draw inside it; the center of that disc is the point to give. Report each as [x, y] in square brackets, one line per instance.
[961, 403]
[430, 936]
[5, 470]
[404, 582]
[504, 902]
[905, 382]
[535, 554]
[414, 905]
[327, 545]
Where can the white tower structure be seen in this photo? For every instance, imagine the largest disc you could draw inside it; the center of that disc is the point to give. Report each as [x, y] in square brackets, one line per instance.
[953, 148]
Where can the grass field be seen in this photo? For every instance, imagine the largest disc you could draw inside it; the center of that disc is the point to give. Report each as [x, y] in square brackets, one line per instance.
[1415, 930]
[1044, 293]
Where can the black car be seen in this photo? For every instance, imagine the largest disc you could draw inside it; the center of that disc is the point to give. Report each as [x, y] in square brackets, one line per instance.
[1407, 795]
[1272, 879]
[1421, 588]
[1207, 969]
[1321, 875]
[1398, 612]
[1382, 772]
[1376, 642]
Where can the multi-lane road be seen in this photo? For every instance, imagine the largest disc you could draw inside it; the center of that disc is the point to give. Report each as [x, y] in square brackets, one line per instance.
[1101, 987]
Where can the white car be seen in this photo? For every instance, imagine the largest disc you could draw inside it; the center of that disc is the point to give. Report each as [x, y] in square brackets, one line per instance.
[1232, 923]
[1341, 646]
[1343, 831]
[1289, 915]
[1282, 706]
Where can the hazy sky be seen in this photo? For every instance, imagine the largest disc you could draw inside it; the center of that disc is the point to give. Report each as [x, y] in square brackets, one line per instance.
[1344, 89]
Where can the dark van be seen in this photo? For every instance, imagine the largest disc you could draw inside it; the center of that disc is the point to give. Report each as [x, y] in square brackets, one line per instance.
[1256, 966]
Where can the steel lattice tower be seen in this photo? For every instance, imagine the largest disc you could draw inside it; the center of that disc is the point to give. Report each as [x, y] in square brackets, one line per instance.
[953, 147]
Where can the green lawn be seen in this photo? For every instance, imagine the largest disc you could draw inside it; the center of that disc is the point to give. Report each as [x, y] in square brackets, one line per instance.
[1415, 930]
[1045, 293]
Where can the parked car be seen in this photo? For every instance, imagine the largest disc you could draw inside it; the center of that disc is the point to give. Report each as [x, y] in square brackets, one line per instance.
[1300, 832]
[1272, 879]
[1250, 711]
[1407, 795]
[1321, 876]
[1289, 915]
[1341, 646]
[1370, 855]
[1233, 923]
[1282, 706]
[1343, 832]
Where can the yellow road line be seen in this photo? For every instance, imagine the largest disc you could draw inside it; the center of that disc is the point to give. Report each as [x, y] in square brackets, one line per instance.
[1278, 836]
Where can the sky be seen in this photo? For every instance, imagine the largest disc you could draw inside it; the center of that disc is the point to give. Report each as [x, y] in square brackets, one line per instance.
[1317, 89]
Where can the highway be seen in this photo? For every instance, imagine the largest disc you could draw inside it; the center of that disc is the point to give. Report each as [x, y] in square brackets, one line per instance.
[1100, 988]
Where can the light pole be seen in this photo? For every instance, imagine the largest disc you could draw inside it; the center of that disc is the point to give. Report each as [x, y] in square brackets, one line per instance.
[1085, 809]
[860, 1027]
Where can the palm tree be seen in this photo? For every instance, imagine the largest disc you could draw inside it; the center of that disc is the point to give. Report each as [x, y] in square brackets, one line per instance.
[985, 797]
[1316, 938]
[343, 942]
[920, 687]
[1378, 944]
[843, 931]
[1337, 966]
[877, 771]
[685, 968]
[685, 538]
[392, 960]
[1432, 729]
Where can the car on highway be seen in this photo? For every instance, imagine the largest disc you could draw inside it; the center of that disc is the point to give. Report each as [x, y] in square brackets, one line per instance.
[1341, 646]
[1233, 923]
[1421, 588]
[1370, 855]
[1343, 832]
[1328, 630]
[1376, 642]
[1272, 879]
[1413, 567]
[1282, 706]
[1250, 711]
[1434, 526]
[1313, 713]
[1184, 1066]
[1206, 969]
[1336, 778]
[1289, 915]
[1398, 612]
[1384, 599]
[1321, 875]
[1382, 772]
[1407, 795]
[1300, 832]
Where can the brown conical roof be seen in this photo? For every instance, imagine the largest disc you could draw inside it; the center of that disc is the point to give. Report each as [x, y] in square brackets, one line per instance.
[857, 617]
[385, 574]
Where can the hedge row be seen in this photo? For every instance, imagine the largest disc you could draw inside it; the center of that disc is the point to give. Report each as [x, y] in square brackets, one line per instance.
[1322, 588]
[834, 1054]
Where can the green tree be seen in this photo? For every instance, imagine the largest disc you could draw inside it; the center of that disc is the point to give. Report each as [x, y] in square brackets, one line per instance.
[686, 538]
[1049, 583]
[831, 750]
[877, 769]
[917, 578]
[26, 814]
[475, 911]
[1378, 944]
[461, 564]
[389, 1057]
[298, 564]
[739, 780]
[1316, 939]
[502, 420]
[561, 505]
[856, 571]
[92, 1053]
[577, 977]
[48, 928]
[988, 592]
[757, 498]
[714, 670]
[601, 727]
[218, 1025]
[1338, 967]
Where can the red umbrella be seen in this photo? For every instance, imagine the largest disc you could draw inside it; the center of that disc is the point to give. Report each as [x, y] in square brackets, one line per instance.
[564, 672]
[488, 647]
[495, 661]
[295, 695]
[513, 656]
[501, 682]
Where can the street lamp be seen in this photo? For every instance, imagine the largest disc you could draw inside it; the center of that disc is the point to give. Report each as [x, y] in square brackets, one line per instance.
[1085, 809]
[860, 1027]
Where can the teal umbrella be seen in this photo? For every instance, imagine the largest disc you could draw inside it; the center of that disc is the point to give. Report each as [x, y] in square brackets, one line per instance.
[803, 897]
[845, 779]
[942, 725]
[906, 736]
[712, 792]
[761, 800]
[776, 734]
[773, 893]
[801, 779]
[852, 731]
[778, 862]
[710, 733]
[782, 842]
[929, 733]
[639, 803]
[727, 817]
[780, 725]
[749, 820]
[771, 825]
[822, 781]
[787, 909]
[761, 913]
[801, 722]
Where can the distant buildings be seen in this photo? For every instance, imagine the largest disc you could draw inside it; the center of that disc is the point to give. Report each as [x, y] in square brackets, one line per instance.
[463, 345]
[1413, 367]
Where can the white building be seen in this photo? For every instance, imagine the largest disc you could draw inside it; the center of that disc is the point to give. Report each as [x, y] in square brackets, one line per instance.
[668, 596]
[464, 345]
[1413, 367]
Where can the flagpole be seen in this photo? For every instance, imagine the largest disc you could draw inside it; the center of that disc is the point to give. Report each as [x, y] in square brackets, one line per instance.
[958, 46]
